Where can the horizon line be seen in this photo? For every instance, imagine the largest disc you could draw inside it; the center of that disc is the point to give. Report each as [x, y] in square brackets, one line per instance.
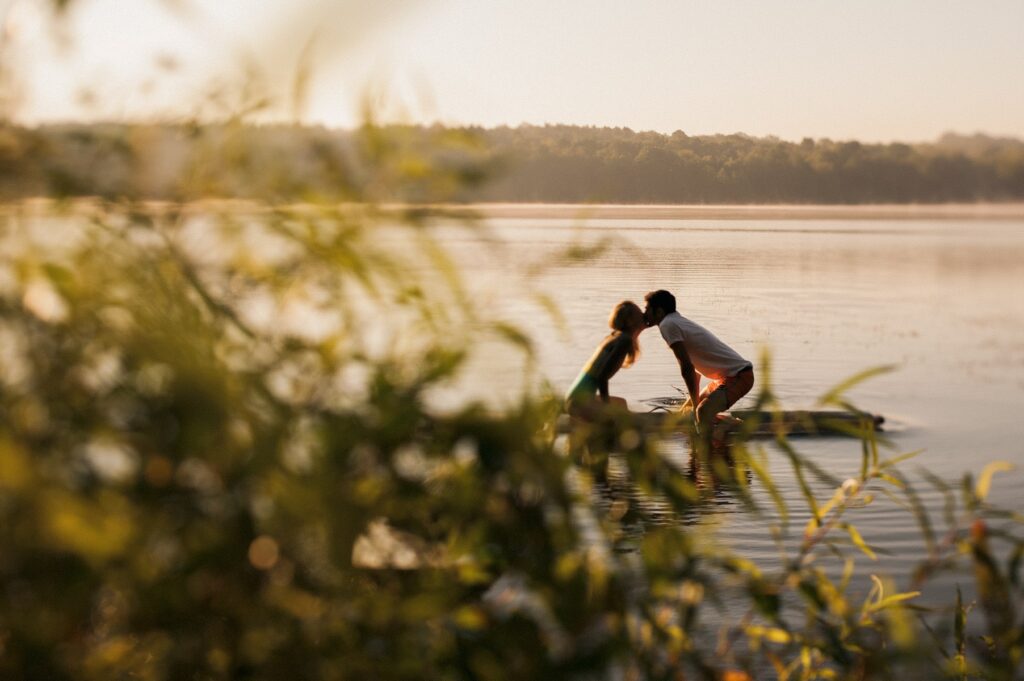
[282, 123]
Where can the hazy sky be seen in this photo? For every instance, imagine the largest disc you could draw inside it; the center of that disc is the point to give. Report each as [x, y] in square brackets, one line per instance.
[867, 69]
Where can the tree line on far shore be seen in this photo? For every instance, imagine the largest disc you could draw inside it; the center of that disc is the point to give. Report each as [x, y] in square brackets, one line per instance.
[551, 163]
[618, 165]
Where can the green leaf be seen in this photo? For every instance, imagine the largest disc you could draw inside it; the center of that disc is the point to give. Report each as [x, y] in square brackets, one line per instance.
[1013, 566]
[894, 599]
[773, 491]
[834, 395]
[985, 479]
[949, 507]
[921, 515]
[772, 634]
[899, 459]
[554, 312]
[959, 619]
[858, 540]
[895, 482]
[513, 336]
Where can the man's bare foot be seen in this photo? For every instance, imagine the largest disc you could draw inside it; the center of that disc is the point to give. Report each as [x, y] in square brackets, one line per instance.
[728, 420]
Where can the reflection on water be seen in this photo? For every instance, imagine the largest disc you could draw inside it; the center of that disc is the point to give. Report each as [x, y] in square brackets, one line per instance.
[941, 300]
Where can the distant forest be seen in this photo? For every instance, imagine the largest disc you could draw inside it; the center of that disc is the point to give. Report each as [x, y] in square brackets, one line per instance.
[552, 163]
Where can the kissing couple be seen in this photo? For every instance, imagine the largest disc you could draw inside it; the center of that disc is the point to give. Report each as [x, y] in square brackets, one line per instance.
[701, 355]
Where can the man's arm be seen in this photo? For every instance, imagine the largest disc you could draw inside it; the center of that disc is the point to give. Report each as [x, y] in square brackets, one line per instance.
[690, 375]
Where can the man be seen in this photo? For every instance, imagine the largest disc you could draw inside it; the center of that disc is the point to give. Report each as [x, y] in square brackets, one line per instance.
[700, 353]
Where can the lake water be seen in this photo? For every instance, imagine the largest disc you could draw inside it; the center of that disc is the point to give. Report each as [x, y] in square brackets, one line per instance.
[941, 300]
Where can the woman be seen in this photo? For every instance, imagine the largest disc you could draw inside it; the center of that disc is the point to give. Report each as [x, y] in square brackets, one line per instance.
[588, 395]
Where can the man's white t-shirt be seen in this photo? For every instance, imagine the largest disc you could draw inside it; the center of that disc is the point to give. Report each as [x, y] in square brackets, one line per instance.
[711, 357]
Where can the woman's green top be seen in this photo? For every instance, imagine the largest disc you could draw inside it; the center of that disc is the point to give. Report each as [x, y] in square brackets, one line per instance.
[583, 388]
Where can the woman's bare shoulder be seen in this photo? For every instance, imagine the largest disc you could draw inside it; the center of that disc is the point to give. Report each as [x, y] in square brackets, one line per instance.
[616, 342]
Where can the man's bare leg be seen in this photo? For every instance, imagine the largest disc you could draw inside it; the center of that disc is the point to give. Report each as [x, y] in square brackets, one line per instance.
[709, 408]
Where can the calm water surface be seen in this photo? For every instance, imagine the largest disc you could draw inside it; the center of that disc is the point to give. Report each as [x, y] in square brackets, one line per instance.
[941, 301]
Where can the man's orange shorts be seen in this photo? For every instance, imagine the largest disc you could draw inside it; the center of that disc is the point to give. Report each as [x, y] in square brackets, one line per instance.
[735, 386]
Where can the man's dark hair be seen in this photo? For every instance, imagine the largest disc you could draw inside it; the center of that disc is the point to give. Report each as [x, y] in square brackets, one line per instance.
[661, 299]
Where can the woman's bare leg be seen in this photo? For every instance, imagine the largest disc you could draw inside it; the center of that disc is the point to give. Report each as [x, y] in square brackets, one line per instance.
[617, 403]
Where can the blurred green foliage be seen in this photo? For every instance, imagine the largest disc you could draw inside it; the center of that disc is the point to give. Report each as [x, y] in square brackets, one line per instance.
[219, 459]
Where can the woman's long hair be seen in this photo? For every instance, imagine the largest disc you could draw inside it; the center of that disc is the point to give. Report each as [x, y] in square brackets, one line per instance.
[628, 314]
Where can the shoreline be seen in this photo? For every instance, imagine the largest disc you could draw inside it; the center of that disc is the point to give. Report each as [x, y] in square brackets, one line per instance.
[1011, 212]
[939, 211]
